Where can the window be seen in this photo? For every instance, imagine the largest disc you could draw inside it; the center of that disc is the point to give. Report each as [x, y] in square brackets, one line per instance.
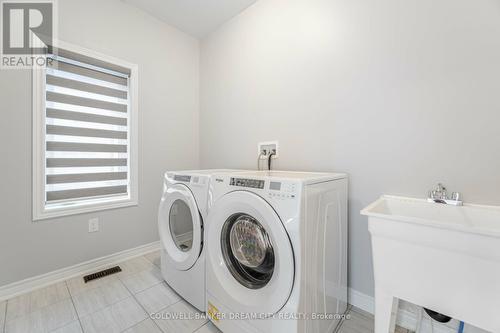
[85, 133]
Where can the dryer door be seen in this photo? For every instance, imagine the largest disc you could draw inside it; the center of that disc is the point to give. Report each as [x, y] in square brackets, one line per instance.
[180, 226]
[250, 256]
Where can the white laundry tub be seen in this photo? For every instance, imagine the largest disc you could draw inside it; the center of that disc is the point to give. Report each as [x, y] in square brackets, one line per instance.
[442, 257]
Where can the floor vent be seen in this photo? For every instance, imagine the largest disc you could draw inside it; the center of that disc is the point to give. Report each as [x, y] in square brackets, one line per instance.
[102, 274]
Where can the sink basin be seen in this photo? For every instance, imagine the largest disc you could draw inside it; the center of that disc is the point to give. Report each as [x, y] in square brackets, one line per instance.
[442, 257]
[477, 219]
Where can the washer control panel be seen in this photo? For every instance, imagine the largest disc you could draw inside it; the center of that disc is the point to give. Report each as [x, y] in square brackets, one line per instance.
[282, 190]
[244, 182]
[279, 190]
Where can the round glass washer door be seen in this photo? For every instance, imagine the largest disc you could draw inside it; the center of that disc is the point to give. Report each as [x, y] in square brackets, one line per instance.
[250, 259]
[247, 251]
[180, 226]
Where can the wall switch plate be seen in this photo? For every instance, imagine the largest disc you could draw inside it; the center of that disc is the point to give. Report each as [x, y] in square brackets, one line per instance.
[266, 148]
[94, 225]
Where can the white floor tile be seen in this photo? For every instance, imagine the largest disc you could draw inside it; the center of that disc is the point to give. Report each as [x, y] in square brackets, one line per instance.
[89, 301]
[134, 266]
[180, 318]
[29, 323]
[154, 258]
[346, 329]
[115, 318]
[360, 322]
[209, 328]
[46, 319]
[142, 280]
[146, 326]
[74, 327]
[157, 298]
[36, 300]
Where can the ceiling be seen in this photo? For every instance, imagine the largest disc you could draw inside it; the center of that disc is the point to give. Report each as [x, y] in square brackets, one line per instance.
[195, 17]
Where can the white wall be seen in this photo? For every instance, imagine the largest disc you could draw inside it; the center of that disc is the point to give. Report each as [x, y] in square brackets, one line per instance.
[168, 90]
[399, 94]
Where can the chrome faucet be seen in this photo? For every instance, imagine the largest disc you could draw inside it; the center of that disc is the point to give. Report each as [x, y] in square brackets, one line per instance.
[440, 195]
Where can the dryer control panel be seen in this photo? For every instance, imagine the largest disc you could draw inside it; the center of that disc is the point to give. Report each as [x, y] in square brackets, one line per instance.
[191, 179]
[182, 178]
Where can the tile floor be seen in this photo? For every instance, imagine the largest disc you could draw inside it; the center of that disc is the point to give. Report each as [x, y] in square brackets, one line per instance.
[118, 303]
[362, 322]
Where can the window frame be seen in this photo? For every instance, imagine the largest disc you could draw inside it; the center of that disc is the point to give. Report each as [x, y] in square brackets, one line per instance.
[40, 211]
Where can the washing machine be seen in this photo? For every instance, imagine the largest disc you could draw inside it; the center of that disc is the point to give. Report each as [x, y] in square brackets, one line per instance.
[181, 222]
[277, 252]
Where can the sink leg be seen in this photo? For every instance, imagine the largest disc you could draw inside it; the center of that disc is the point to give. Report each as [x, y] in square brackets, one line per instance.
[386, 307]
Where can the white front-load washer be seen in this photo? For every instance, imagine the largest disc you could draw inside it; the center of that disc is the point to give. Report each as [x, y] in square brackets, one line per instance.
[277, 254]
[181, 222]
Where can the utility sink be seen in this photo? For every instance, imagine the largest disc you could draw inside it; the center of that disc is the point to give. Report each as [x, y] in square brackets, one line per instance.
[445, 258]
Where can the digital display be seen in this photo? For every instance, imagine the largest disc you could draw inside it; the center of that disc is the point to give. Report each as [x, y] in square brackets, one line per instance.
[253, 183]
[275, 186]
[181, 178]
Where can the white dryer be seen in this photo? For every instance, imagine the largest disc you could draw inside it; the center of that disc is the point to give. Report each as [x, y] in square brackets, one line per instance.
[181, 217]
[277, 254]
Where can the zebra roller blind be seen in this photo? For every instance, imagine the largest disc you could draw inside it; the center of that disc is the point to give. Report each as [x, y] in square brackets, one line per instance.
[87, 150]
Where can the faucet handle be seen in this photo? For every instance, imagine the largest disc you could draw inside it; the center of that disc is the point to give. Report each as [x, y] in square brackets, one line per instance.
[457, 196]
[436, 194]
[441, 191]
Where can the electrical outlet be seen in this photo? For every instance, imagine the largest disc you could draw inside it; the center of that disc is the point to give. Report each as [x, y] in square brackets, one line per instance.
[264, 149]
[94, 225]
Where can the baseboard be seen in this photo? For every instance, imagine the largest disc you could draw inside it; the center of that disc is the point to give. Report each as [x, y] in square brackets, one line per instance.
[17, 288]
[361, 301]
[405, 319]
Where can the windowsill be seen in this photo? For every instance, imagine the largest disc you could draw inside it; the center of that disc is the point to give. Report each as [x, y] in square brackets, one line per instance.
[82, 208]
